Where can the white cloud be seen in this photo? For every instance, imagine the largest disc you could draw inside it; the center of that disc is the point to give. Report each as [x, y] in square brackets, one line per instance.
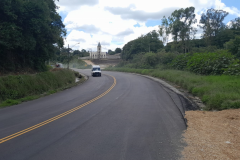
[112, 22]
[230, 10]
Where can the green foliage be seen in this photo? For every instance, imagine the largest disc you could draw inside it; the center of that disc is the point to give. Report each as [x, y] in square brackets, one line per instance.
[233, 68]
[181, 26]
[118, 50]
[16, 87]
[234, 46]
[110, 52]
[30, 30]
[150, 59]
[181, 61]
[209, 63]
[165, 29]
[82, 53]
[212, 24]
[204, 49]
[165, 58]
[143, 44]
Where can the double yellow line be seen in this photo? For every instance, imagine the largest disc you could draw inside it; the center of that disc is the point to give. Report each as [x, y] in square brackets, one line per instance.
[2, 140]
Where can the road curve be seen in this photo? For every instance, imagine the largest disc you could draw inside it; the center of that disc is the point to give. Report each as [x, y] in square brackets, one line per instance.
[136, 120]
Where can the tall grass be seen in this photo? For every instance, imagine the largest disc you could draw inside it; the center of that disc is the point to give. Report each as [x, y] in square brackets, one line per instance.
[217, 92]
[20, 86]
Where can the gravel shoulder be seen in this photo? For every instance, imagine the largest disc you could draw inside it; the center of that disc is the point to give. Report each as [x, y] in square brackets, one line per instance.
[212, 135]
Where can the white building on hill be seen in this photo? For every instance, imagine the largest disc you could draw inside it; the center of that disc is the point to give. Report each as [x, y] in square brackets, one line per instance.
[99, 54]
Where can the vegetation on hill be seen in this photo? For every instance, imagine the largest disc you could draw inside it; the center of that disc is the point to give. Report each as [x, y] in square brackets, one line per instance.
[208, 67]
[180, 26]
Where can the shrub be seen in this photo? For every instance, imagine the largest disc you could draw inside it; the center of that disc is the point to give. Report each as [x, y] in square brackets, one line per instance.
[150, 59]
[233, 69]
[180, 62]
[210, 63]
[166, 58]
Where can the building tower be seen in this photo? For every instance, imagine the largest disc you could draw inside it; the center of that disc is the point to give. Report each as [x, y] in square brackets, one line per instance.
[99, 49]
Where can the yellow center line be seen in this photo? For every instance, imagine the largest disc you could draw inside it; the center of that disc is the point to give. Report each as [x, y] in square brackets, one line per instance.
[7, 138]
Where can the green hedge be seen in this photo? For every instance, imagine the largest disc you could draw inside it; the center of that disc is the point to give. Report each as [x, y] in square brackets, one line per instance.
[209, 63]
[216, 63]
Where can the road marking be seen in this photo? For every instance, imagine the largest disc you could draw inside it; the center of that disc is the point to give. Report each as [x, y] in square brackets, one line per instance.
[2, 140]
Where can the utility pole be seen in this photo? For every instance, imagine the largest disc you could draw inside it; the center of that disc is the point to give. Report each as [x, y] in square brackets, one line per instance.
[149, 43]
[69, 54]
[68, 57]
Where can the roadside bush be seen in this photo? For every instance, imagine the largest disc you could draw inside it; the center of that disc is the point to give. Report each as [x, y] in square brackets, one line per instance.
[210, 63]
[166, 58]
[142, 60]
[180, 62]
[233, 69]
[150, 60]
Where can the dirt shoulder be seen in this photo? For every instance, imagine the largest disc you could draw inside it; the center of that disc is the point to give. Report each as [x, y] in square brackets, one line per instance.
[104, 63]
[212, 135]
[89, 62]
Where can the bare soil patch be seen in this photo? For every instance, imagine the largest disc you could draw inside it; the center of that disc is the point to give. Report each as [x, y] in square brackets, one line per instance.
[106, 61]
[212, 135]
[89, 62]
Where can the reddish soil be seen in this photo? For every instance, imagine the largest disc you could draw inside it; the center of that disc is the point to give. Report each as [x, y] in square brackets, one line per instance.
[212, 135]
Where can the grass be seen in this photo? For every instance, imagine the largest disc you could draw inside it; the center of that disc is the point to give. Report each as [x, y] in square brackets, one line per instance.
[21, 88]
[217, 92]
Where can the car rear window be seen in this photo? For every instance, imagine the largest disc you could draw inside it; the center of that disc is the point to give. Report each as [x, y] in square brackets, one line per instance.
[96, 69]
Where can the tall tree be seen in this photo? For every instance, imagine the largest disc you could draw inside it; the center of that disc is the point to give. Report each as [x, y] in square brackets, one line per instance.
[30, 32]
[235, 24]
[181, 26]
[212, 23]
[153, 41]
[164, 30]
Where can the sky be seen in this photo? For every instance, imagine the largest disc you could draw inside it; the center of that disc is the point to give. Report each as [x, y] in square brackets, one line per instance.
[115, 23]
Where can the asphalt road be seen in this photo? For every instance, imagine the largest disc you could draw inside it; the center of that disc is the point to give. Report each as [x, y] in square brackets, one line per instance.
[135, 120]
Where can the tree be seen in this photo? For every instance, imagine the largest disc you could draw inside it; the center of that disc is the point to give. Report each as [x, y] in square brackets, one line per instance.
[212, 23]
[77, 52]
[153, 42]
[181, 22]
[235, 24]
[145, 43]
[110, 52]
[30, 32]
[118, 50]
[83, 51]
[234, 46]
[164, 30]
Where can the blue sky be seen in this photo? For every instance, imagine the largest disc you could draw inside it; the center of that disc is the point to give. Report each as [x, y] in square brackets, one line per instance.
[232, 3]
